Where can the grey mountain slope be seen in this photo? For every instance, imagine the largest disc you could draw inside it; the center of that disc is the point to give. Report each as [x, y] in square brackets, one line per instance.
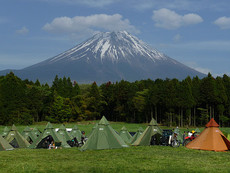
[110, 56]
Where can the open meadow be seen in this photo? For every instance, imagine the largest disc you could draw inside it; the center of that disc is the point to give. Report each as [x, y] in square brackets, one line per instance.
[132, 159]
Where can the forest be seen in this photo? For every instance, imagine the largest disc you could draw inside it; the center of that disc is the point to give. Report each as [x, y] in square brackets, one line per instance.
[190, 102]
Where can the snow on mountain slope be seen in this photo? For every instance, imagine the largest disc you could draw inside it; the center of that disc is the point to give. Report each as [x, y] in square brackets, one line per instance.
[109, 56]
[112, 46]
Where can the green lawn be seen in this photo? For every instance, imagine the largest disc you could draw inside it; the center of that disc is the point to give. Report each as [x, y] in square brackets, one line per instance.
[133, 159]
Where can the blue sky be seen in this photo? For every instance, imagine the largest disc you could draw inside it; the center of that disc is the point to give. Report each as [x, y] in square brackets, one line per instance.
[194, 32]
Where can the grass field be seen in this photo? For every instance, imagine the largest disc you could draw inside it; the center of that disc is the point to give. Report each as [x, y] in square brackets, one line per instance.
[132, 159]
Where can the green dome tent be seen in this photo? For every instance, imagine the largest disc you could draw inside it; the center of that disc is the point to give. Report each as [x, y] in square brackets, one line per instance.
[5, 132]
[16, 139]
[146, 137]
[76, 133]
[47, 136]
[28, 135]
[63, 133]
[125, 135]
[137, 135]
[4, 145]
[103, 137]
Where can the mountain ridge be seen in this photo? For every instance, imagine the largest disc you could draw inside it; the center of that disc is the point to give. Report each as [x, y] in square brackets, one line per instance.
[109, 56]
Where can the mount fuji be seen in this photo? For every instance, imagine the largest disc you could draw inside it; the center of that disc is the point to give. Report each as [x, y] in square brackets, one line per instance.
[109, 56]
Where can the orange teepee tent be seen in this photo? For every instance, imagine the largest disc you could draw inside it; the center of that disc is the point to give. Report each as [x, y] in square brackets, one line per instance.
[211, 139]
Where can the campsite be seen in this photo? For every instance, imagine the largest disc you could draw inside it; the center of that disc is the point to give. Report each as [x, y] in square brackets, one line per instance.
[128, 159]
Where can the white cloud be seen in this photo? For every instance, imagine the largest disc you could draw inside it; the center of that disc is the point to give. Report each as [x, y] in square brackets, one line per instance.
[23, 30]
[168, 19]
[223, 22]
[89, 24]
[197, 68]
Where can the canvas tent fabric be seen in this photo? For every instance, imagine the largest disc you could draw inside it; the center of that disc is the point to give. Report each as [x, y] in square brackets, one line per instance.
[36, 132]
[137, 135]
[125, 135]
[103, 137]
[94, 127]
[48, 134]
[16, 139]
[63, 133]
[76, 133]
[26, 133]
[5, 131]
[211, 138]
[4, 145]
[150, 131]
[179, 135]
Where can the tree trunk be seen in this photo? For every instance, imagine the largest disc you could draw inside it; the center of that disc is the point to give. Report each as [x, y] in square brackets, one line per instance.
[170, 119]
[194, 116]
[182, 123]
[134, 116]
[210, 109]
[156, 112]
[151, 113]
[213, 112]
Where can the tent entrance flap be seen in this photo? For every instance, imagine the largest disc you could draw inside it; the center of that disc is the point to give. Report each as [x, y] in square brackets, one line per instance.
[45, 142]
[14, 143]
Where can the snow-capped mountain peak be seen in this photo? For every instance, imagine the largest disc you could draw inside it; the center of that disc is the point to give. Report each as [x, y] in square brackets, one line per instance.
[113, 46]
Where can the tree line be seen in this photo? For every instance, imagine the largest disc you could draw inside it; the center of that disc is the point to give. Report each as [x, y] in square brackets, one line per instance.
[190, 102]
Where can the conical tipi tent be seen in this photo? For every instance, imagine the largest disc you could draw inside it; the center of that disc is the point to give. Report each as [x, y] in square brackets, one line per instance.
[211, 138]
[36, 132]
[150, 131]
[76, 133]
[28, 135]
[179, 135]
[4, 145]
[5, 132]
[16, 139]
[47, 137]
[94, 127]
[63, 133]
[125, 135]
[137, 135]
[103, 137]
